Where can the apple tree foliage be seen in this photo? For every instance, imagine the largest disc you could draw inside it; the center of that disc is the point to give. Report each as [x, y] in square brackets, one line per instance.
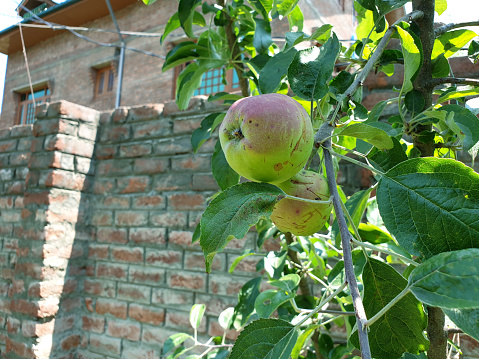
[414, 234]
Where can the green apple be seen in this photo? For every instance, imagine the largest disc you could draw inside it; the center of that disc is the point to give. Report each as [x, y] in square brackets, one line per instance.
[266, 138]
[298, 217]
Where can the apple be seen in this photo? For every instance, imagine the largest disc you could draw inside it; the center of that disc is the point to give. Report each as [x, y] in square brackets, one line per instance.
[298, 217]
[266, 138]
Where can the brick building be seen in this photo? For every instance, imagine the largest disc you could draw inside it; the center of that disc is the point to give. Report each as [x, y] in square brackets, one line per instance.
[65, 67]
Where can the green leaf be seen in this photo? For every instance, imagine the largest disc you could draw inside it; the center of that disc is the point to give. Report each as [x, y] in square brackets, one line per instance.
[321, 34]
[246, 299]
[450, 42]
[224, 96]
[468, 123]
[181, 53]
[372, 234]
[301, 341]
[174, 341]
[311, 69]
[172, 24]
[274, 263]
[224, 175]
[188, 81]
[430, 205]
[465, 319]
[372, 135]
[275, 69]
[238, 259]
[233, 212]
[185, 15]
[289, 282]
[440, 67]
[400, 329]
[262, 39]
[296, 19]
[285, 7]
[448, 280]
[265, 338]
[386, 6]
[414, 101]
[225, 319]
[149, 2]
[412, 58]
[473, 51]
[440, 6]
[203, 133]
[458, 94]
[376, 112]
[196, 234]
[387, 159]
[196, 315]
[269, 300]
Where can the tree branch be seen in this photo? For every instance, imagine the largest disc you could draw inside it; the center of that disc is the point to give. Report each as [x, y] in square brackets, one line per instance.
[303, 283]
[346, 244]
[445, 28]
[453, 80]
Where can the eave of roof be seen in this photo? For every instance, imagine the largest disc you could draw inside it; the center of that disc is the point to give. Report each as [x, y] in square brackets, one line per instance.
[70, 13]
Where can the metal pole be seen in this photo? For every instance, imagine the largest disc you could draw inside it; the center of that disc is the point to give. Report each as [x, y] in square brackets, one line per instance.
[122, 56]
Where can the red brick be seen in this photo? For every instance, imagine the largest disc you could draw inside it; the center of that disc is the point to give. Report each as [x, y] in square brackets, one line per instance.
[172, 182]
[133, 184]
[130, 218]
[141, 274]
[123, 330]
[114, 168]
[69, 144]
[186, 125]
[186, 201]
[13, 325]
[181, 321]
[104, 152]
[191, 163]
[193, 281]
[115, 202]
[149, 202]
[215, 329]
[136, 150]
[204, 182]
[215, 305]
[108, 306]
[20, 159]
[155, 335]
[126, 254]
[226, 285]
[93, 324]
[196, 261]
[134, 293]
[145, 112]
[98, 251]
[116, 133]
[102, 186]
[148, 235]
[106, 345]
[118, 271]
[164, 258]
[8, 146]
[246, 265]
[175, 146]
[153, 129]
[87, 131]
[100, 288]
[168, 219]
[119, 115]
[64, 179]
[111, 235]
[151, 165]
[71, 342]
[180, 238]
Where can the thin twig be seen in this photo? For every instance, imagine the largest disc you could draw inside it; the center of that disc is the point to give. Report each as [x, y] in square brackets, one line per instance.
[348, 260]
[445, 28]
[453, 80]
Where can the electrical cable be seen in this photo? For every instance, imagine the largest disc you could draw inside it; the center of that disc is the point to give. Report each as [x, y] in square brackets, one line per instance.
[50, 25]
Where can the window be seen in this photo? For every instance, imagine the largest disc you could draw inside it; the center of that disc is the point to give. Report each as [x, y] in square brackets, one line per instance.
[212, 81]
[105, 80]
[26, 108]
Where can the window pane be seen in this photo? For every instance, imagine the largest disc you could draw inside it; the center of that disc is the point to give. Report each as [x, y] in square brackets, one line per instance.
[48, 91]
[100, 83]
[22, 113]
[235, 79]
[39, 93]
[111, 79]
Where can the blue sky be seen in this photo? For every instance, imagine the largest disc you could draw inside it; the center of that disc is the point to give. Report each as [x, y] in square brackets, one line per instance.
[458, 10]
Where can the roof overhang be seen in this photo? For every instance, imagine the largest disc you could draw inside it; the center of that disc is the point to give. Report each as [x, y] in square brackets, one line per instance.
[70, 13]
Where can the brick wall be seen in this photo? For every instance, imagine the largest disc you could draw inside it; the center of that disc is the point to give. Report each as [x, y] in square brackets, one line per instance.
[97, 215]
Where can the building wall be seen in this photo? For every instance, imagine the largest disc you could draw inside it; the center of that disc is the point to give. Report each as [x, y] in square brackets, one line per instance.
[68, 62]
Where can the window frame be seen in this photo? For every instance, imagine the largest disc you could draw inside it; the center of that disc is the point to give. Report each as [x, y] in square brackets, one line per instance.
[230, 87]
[26, 108]
[105, 77]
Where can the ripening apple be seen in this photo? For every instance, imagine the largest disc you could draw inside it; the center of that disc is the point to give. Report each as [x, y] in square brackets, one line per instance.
[266, 138]
[302, 218]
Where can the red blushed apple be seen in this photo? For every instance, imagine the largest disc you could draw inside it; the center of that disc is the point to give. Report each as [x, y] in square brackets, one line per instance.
[298, 217]
[266, 138]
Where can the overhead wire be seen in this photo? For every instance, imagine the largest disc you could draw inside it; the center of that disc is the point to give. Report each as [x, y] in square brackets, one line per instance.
[105, 44]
